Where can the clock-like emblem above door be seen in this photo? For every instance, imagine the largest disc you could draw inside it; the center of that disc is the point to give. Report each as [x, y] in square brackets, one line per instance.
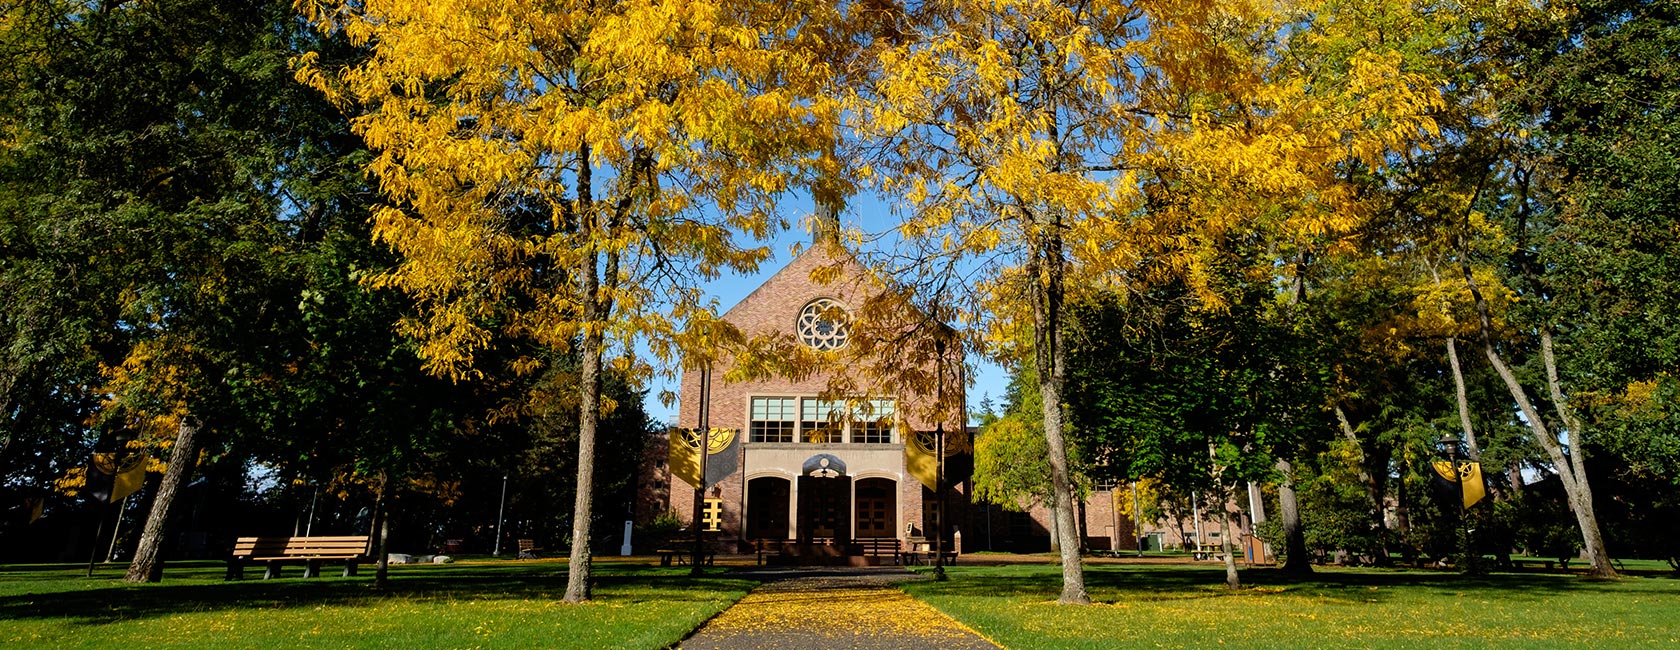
[822, 324]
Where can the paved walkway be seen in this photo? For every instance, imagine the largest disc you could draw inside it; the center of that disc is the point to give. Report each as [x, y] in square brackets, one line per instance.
[833, 608]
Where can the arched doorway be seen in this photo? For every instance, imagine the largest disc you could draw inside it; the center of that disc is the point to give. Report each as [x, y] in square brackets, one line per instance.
[767, 507]
[825, 500]
[876, 507]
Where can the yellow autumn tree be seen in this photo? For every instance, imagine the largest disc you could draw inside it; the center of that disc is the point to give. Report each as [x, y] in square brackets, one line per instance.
[995, 122]
[566, 173]
[1114, 143]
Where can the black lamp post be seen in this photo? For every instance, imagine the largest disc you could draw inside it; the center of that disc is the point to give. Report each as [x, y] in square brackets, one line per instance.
[939, 456]
[1449, 445]
[116, 467]
[704, 435]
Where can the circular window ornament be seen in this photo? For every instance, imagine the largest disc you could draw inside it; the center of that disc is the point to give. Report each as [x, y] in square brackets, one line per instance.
[818, 326]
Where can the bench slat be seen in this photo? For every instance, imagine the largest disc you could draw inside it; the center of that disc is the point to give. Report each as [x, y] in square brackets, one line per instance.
[303, 548]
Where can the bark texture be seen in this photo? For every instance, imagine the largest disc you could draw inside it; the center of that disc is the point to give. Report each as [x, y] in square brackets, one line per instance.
[1046, 268]
[1289, 512]
[1232, 580]
[1463, 402]
[589, 421]
[148, 555]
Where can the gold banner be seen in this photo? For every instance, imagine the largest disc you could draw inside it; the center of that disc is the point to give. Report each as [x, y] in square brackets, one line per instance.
[128, 482]
[1469, 474]
[684, 454]
[685, 463]
[919, 455]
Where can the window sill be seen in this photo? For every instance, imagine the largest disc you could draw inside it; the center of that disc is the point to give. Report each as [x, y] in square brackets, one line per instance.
[861, 446]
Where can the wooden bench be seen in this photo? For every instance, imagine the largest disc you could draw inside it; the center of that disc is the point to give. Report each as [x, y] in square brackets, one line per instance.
[311, 551]
[1207, 551]
[682, 550]
[887, 547]
[921, 552]
[769, 548]
[1524, 562]
[528, 549]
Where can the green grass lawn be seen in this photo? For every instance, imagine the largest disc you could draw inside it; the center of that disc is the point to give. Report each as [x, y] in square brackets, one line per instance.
[466, 605]
[1189, 607]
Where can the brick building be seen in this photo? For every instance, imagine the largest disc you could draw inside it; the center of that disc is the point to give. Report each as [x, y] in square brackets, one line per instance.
[789, 465]
[793, 467]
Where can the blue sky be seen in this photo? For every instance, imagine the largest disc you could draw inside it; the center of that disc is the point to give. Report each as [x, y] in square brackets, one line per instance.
[866, 213]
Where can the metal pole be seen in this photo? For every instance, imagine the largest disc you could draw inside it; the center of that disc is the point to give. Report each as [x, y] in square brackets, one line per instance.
[705, 440]
[939, 467]
[116, 530]
[309, 524]
[1137, 520]
[1463, 513]
[93, 555]
[501, 516]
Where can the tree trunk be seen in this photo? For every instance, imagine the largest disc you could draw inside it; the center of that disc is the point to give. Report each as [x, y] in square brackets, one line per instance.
[381, 537]
[598, 280]
[589, 419]
[1289, 509]
[148, 555]
[1463, 402]
[1458, 379]
[1581, 499]
[1294, 537]
[1183, 534]
[1232, 581]
[1373, 490]
[1046, 268]
[1571, 467]
[1403, 520]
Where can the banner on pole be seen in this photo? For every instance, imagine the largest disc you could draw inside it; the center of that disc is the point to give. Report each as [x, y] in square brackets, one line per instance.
[1470, 474]
[684, 455]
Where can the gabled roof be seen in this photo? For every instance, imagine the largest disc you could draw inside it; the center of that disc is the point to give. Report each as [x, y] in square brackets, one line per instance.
[797, 273]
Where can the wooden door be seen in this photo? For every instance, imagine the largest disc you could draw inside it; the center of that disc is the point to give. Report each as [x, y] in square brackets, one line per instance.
[876, 507]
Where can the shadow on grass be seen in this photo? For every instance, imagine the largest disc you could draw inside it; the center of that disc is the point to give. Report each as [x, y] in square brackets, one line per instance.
[42, 595]
[1114, 583]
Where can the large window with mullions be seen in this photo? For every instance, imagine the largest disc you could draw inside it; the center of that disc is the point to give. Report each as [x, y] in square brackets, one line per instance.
[772, 419]
[822, 421]
[817, 421]
[872, 422]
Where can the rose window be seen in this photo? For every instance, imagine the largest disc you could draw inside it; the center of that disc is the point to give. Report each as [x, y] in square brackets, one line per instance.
[822, 325]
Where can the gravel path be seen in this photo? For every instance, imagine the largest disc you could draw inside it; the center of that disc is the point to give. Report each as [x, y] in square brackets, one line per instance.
[833, 608]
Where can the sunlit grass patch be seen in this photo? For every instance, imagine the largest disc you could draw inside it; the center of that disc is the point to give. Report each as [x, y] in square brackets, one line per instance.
[488, 605]
[1188, 607]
